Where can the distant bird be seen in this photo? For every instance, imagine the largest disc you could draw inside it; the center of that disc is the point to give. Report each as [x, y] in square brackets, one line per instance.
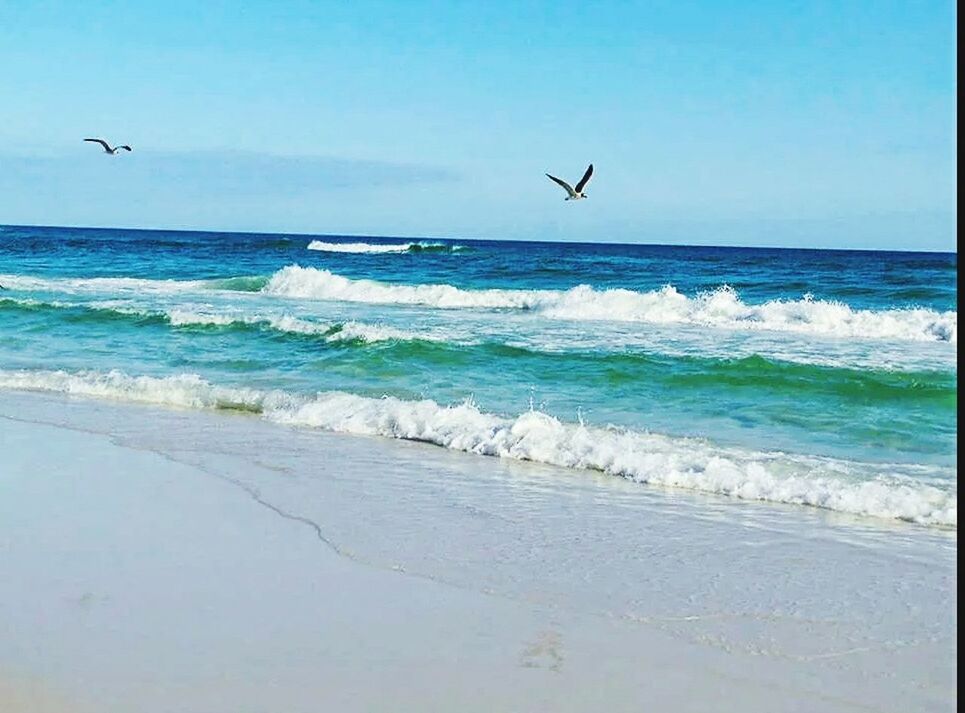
[574, 194]
[107, 148]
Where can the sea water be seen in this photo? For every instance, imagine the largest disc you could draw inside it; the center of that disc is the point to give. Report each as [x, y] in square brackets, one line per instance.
[818, 378]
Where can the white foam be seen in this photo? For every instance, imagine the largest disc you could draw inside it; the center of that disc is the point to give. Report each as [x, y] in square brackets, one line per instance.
[878, 490]
[200, 316]
[181, 318]
[183, 390]
[383, 333]
[864, 489]
[29, 302]
[195, 315]
[680, 340]
[721, 308]
[361, 248]
[347, 331]
[311, 283]
[83, 285]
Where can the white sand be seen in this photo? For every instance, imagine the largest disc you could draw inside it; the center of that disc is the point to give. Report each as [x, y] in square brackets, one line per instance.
[158, 560]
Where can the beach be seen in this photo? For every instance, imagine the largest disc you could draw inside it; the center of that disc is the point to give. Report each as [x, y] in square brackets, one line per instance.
[478, 357]
[160, 559]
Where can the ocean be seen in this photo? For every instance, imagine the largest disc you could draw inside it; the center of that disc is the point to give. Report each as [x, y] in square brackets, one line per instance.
[811, 378]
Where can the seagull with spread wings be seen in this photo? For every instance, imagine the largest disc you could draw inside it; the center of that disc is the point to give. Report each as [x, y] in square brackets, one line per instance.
[107, 147]
[574, 194]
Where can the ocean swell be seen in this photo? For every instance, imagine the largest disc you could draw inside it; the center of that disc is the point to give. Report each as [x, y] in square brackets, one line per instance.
[200, 317]
[887, 491]
[722, 308]
[288, 324]
[85, 285]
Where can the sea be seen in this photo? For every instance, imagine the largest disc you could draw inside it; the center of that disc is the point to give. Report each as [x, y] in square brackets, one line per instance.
[803, 378]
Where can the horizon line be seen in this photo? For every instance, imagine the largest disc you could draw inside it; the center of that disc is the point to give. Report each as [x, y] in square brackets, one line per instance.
[478, 240]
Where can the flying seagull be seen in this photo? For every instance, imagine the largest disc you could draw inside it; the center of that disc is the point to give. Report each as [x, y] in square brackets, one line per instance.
[107, 148]
[574, 194]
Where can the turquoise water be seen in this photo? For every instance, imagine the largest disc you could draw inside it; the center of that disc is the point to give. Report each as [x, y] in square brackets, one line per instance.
[823, 378]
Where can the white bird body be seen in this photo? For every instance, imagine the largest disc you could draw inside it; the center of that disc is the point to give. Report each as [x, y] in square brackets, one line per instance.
[574, 194]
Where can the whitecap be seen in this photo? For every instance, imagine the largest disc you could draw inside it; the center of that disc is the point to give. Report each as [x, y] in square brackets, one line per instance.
[720, 308]
[889, 491]
[362, 248]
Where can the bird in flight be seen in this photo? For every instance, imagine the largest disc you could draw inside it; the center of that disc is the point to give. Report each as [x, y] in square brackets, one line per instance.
[107, 148]
[574, 194]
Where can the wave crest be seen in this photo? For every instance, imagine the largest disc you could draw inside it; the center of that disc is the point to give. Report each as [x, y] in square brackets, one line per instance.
[721, 308]
[877, 490]
[333, 332]
[377, 248]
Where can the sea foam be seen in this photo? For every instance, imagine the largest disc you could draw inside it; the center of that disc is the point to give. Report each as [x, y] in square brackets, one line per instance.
[362, 248]
[332, 332]
[722, 308]
[888, 491]
[202, 317]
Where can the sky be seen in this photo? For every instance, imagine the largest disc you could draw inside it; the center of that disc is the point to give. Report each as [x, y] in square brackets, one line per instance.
[804, 124]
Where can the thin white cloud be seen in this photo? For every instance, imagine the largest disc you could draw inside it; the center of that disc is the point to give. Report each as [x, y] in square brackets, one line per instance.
[202, 175]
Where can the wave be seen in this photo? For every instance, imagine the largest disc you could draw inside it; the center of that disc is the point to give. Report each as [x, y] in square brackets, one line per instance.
[622, 356]
[183, 390]
[888, 491]
[334, 332]
[131, 285]
[448, 348]
[349, 331]
[721, 308]
[361, 248]
[121, 285]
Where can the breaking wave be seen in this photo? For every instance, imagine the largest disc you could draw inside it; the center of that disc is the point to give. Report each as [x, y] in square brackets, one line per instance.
[615, 365]
[284, 323]
[119, 285]
[333, 332]
[919, 494]
[722, 307]
[361, 248]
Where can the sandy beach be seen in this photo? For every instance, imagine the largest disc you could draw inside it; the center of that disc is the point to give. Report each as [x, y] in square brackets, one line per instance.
[485, 357]
[161, 560]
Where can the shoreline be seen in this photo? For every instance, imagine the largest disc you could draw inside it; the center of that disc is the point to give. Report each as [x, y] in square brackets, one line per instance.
[884, 491]
[163, 559]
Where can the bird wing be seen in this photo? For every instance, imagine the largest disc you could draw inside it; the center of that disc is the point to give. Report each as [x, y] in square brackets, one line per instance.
[125, 147]
[585, 179]
[567, 186]
[101, 142]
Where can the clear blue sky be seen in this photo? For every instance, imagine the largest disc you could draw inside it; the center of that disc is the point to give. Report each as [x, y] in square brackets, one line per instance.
[819, 124]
